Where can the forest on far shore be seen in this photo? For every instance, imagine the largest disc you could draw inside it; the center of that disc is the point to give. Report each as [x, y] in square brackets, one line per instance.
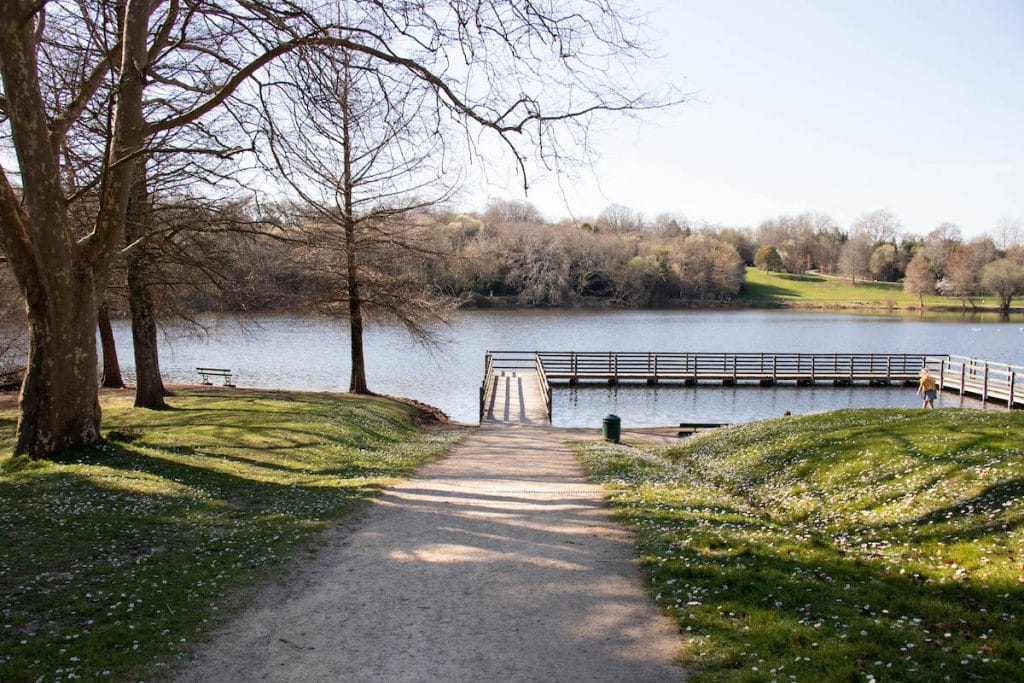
[509, 255]
[226, 259]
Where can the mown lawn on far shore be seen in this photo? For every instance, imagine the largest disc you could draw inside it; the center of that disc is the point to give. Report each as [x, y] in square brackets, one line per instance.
[877, 544]
[815, 290]
[118, 558]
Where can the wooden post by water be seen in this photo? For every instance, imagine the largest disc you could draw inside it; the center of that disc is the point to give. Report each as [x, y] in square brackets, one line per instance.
[1013, 381]
[963, 376]
[984, 383]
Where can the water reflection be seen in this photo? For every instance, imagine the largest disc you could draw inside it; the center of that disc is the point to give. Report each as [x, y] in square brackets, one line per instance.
[652, 406]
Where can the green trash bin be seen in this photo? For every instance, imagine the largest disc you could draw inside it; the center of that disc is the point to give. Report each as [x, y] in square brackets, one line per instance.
[611, 428]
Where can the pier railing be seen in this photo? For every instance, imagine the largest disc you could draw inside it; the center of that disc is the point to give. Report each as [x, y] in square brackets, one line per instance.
[542, 379]
[767, 368]
[488, 384]
[984, 378]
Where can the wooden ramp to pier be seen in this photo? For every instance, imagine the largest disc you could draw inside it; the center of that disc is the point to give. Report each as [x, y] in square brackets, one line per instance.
[985, 379]
[514, 396]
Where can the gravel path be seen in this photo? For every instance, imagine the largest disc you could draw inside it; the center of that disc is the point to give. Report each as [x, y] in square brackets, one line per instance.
[498, 563]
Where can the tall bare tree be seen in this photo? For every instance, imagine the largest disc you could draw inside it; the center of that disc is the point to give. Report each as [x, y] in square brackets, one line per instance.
[962, 270]
[358, 147]
[920, 279]
[855, 257]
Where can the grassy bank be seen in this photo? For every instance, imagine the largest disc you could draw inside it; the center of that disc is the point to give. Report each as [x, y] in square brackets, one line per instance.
[824, 291]
[856, 545]
[116, 559]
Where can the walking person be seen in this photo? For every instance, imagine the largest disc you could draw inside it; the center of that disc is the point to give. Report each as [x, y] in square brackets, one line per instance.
[929, 388]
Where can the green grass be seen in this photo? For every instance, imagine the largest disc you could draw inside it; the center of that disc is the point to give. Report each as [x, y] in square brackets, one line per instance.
[116, 559]
[823, 290]
[856, 545]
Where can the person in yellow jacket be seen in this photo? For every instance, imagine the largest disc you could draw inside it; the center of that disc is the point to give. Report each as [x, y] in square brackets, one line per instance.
[929, 388]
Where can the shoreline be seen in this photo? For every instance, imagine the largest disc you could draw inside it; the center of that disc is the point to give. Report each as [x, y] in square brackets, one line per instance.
[508, 303]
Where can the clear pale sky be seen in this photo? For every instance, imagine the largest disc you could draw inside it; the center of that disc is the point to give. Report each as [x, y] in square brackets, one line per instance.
[843, 107]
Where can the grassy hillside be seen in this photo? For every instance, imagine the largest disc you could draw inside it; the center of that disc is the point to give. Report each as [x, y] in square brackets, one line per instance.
[825, 290]
[856, 545]
[115, 560]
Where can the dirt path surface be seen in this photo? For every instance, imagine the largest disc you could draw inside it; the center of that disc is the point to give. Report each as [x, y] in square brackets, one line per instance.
[499, 563]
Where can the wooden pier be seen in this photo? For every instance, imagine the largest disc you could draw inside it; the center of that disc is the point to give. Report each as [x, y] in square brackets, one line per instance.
[517, 384]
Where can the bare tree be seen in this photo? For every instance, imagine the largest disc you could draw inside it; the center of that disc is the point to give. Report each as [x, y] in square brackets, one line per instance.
[920, 279]
[669, 225]
[855, 257]
[983, 249]
[619, 218]
[877, 226]
[940, 243]
[511, 211]
[355, 144]
[1009, 232]
[961, 274]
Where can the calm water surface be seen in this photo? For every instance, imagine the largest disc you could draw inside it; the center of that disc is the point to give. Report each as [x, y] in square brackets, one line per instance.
[309, 352]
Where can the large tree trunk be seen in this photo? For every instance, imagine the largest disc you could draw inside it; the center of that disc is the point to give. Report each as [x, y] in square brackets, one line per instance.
[60, 408]
[357, 385]
[111, 367]
[149, 386]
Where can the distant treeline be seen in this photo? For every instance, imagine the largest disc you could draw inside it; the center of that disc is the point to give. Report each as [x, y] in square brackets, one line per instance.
[483, 260]
[509, 255]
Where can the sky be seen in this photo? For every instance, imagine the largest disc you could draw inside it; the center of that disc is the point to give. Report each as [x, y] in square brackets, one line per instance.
[841, 107]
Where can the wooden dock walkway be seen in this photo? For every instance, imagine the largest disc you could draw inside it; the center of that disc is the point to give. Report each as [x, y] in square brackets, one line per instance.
[986, 379]
[517, 384]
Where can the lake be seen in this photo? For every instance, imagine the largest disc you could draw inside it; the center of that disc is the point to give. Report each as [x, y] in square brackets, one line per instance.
[311, 352]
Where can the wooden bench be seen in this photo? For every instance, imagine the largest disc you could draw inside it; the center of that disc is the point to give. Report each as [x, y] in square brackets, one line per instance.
[688, 428]
[207, 373]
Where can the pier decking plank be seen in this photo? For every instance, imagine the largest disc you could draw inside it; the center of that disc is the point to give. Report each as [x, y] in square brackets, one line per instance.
[516, 398]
